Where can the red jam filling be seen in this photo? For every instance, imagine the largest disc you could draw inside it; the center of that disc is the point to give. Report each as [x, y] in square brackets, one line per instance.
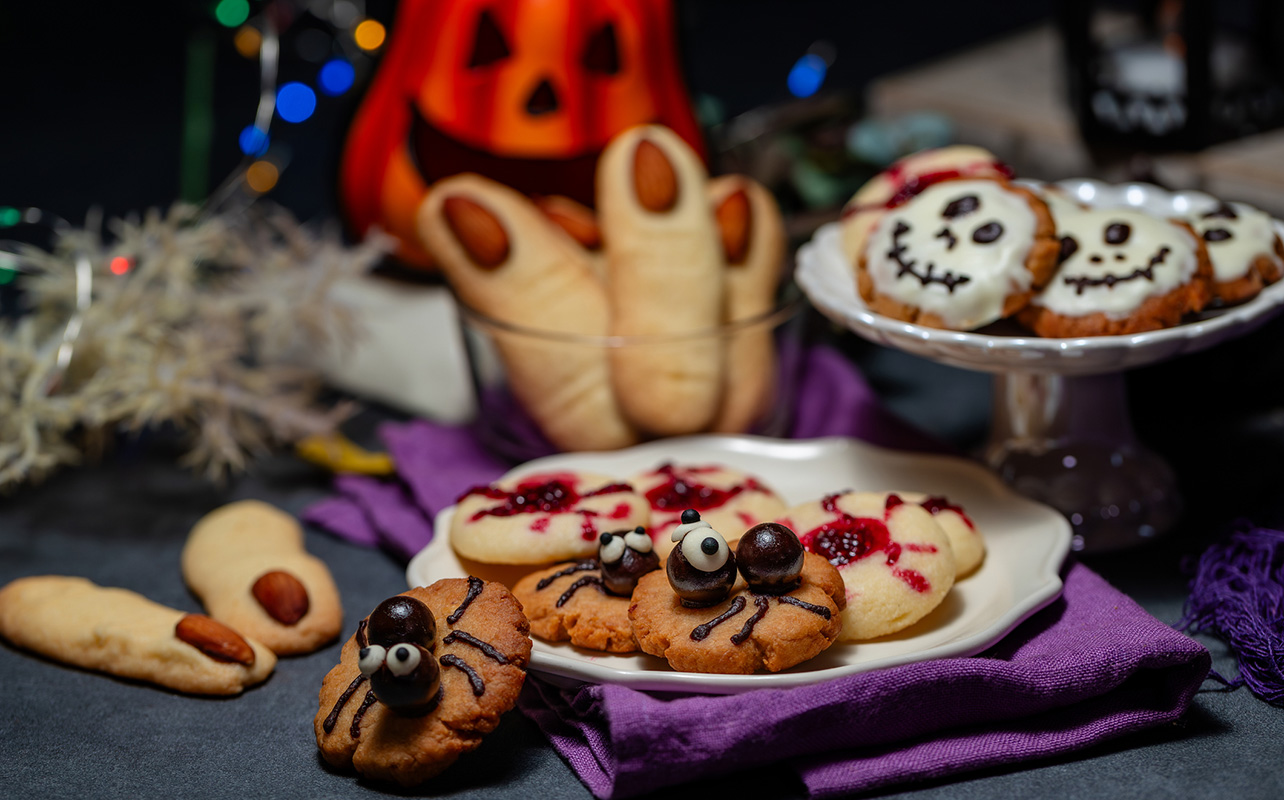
[547, 494]
[847, 538]
[681, 490]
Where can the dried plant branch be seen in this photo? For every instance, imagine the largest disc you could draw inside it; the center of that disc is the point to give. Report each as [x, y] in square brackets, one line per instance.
[205, 333]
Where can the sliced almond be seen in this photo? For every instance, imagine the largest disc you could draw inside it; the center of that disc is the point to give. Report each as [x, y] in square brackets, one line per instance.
[734, 215]
[214, 639]
[480, 232]
[654, 179]
[282, 596]
[575, 219]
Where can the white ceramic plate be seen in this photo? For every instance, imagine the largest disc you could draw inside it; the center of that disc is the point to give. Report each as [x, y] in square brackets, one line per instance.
[1026, 542]
[829, 282]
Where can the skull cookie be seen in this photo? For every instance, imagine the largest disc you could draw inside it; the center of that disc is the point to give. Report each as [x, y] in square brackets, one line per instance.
[960, 255]
[1122, 271]
[1245, 251]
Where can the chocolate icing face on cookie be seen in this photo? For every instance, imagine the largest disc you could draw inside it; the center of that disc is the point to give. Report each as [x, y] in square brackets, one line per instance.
[1238, 235]
[1115, 259]
[702, 568]
[398, 658]
[625, 557]
[956, 251]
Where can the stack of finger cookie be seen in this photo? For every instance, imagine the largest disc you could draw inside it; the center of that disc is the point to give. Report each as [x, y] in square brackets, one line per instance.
[945, 240]
[638, 297]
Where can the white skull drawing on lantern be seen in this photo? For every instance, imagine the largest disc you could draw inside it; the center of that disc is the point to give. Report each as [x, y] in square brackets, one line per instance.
[1113, 260]
[957, 250]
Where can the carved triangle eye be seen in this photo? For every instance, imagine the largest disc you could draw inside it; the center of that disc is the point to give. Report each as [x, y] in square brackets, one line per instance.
[489, 45]
[602, 53]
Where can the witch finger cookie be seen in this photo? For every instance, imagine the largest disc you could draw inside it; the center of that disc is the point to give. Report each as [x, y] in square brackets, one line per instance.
[959, 255]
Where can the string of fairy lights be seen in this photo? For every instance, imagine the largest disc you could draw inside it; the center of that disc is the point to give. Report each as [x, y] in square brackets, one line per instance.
[344, 44]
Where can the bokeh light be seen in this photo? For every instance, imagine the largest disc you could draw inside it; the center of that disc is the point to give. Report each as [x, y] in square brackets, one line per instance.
[261, 176]
[336, 77]
[9, 216]
[8, 268]
[248, 41]
[807, 75]
[253, 142]
[119, 265]
[295, 102]
[369, 34]
[231, 13]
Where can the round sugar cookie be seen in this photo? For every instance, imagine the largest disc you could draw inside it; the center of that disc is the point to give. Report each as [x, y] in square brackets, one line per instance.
[965, 540]
[543, 518]
[895, 560]
[1245, 251]
[731, 501]
[960, 255]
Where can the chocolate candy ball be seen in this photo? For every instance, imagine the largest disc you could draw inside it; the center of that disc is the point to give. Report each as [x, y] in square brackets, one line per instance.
[771, 558]
[701, 569]
[402, 619]
[625, 557]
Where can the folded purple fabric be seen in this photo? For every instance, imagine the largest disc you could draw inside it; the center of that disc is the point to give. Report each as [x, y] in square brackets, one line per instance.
[437, 463]
[1092, 666]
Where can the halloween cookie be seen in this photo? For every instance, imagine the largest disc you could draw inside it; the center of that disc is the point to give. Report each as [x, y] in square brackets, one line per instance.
[122, 633]
[895, 561]
[665, 278]
[905, 179]
[959, 255]
[586, 602]
[1243, 247]
[426, 675]
[753, 247]
[543, 518]
[1122, 271]
[730, 500]
[701, 616]
[965, 540]
[506, 259]
[246, 563]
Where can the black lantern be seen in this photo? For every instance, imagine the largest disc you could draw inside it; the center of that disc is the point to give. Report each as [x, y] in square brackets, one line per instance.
[1155, 75]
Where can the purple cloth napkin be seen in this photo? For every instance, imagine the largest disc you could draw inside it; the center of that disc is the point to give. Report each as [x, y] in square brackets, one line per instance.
[1092, 666]
[437, 463]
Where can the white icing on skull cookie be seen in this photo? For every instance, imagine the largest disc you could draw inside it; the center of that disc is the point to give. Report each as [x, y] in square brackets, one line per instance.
[1235, 235]
[956, 251]
[1113, 260]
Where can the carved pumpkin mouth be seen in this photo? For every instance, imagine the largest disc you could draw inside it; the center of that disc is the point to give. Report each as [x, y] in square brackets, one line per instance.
[438, 155]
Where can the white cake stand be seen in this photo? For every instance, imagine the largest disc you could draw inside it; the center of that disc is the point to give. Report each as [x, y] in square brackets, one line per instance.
[1060, 430]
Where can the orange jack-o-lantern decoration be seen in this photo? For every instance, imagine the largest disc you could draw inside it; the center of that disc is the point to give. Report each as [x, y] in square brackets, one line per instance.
[526, 92]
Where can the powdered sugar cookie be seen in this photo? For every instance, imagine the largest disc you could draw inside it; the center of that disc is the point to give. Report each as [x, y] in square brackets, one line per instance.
[1245, 251]
[1122, 271]
[543, 518]
[959, 255]
[587, 602]
[728, 499]
[895, 561]
[247, 564]
[424, 677]
[782, 610]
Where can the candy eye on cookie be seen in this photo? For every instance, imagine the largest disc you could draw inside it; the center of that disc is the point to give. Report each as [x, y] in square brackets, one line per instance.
[702, 568]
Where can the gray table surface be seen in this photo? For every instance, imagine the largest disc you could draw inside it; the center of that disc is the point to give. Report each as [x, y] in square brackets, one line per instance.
[69, 733]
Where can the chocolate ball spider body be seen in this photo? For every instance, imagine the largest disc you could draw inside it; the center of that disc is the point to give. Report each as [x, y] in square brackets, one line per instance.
[625, 557]
[701, 569]
[770, 558]
[398, 657]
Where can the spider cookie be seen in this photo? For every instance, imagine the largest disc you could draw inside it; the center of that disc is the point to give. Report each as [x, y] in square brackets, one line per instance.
[543, 518]
[701, 616]
[586, 602]
[895, 560]
[959, 255]
[729, 500]
[426, 675]
[1122, 271]
[905, 179]
[246, 563]
[122, 633]
[1245, 251]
